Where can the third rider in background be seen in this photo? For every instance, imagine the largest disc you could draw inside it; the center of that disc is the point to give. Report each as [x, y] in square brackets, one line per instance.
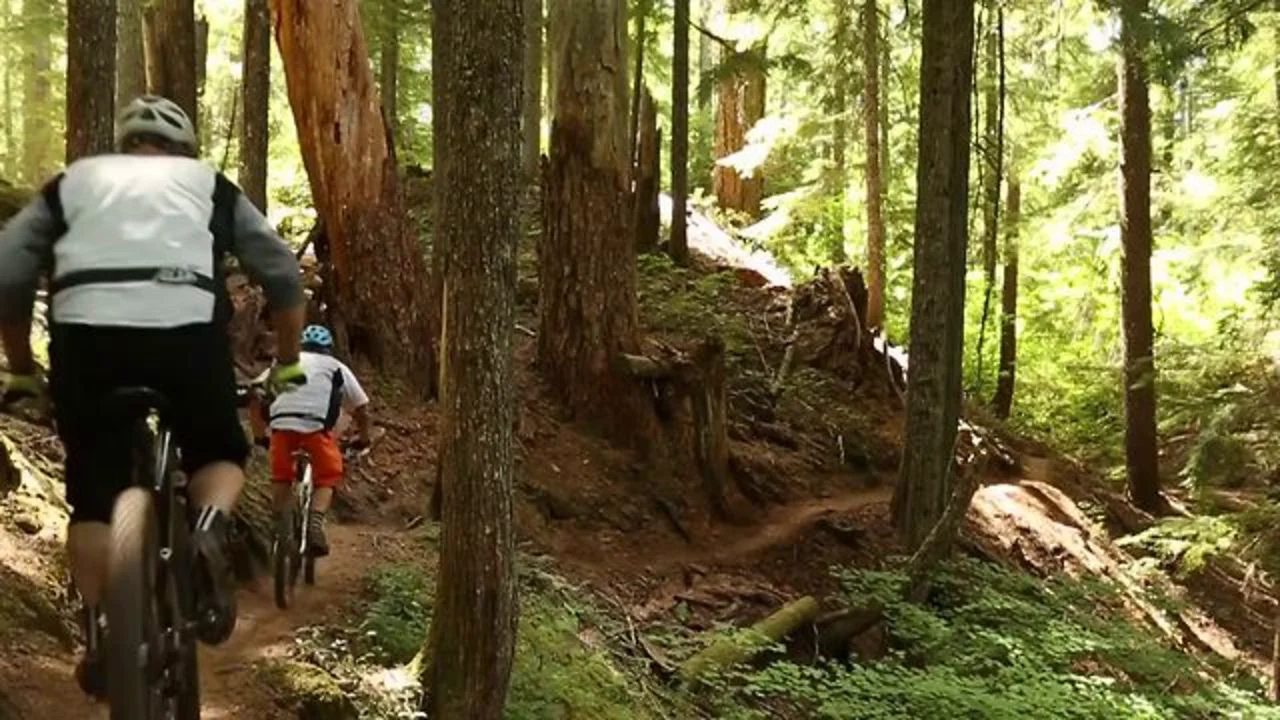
[305, 419]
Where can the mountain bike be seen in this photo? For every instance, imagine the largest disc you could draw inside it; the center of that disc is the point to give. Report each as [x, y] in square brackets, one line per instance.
[151, 602]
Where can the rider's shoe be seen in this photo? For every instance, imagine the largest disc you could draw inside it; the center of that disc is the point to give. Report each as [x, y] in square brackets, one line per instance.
[215, 583]
[317, 542]
[91, 671]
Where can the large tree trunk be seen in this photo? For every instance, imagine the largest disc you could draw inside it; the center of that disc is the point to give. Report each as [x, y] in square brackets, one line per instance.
[389, 85]
[875, 181]
[131, 58]
[941, 239]
[478, 51]
[256, 101]
[171, 54]
[587, 262]
[679, 247]
[1002, 404]
[377, 265]
[531, 125]
[1141, 457]
[741, 106]
[39, 144]
[91, 72]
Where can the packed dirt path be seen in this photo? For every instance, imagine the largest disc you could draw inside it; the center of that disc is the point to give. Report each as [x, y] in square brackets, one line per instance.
[230, 686]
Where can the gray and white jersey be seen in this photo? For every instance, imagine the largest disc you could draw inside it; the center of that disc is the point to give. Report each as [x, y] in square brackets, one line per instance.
[136, 241]
[330, 387]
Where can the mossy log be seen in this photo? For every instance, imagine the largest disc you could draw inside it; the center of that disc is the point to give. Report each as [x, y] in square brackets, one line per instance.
[308, 690]
[725, 652]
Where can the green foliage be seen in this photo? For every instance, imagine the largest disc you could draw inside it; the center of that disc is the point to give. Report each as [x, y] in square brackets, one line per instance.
[396, 615]
[684, 302]
[995, 645]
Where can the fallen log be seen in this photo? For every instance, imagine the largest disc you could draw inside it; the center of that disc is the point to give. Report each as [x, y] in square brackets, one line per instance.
[727, 651]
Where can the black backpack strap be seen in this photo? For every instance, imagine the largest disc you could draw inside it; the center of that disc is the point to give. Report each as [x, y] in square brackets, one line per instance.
[335, 401]
[222, 225]
[52, 194]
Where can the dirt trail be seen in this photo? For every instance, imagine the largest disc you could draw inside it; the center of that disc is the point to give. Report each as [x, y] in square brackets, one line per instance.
[230, 687]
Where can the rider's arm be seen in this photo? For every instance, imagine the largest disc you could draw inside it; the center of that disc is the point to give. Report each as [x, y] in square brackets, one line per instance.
[354, 397]
[26, 245]
[270, 264]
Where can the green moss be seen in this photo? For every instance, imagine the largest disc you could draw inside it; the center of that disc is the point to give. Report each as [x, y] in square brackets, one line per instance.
[308, 689]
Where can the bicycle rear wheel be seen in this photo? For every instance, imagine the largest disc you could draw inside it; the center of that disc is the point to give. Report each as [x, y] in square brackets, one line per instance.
[188, 668]
[133, 639]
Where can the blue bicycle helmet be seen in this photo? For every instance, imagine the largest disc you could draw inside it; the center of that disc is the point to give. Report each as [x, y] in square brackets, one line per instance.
[317, 335]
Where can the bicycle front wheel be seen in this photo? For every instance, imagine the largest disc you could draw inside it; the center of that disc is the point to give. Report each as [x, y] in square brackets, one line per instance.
[285, 560]
[133, 639]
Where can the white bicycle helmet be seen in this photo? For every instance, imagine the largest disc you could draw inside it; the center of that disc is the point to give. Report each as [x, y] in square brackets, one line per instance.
[155, 115]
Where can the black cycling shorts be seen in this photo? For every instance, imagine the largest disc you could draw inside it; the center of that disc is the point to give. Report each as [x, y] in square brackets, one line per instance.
[190, 365]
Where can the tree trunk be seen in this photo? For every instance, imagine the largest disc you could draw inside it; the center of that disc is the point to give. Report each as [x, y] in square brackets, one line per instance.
[256, 101]
[389, 84]
[586, 257]
[941, 239]
[1005, 382]
[531, 126]
[91, 72]
[131, 58]
[679, 247]
[839, 176]
[706, 11]
[478, 51]
[648, 218]
[993, 158]
[38, 139]
[741, 106]
[875, 181]
[7, 71]
[202, 54]
[1141, 457]
[171, 53]
[633, 135]
[376, 262]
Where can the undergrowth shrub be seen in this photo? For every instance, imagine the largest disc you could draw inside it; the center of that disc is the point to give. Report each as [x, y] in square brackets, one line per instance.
[995, 645]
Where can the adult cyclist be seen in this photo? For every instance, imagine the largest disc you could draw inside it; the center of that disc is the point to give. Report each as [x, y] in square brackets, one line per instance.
[305, 419]
[133, 245]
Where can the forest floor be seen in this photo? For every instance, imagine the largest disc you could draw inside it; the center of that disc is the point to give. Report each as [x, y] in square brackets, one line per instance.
[644, 568]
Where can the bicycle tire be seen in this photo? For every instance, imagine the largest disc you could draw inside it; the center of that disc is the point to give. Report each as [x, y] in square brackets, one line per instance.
[133, 635]
[187, 701]
[284, 566]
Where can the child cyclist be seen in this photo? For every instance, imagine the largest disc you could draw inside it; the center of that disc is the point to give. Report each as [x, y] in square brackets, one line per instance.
[305, 419]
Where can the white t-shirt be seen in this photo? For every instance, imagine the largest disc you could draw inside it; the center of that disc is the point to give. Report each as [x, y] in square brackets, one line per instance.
[331, 387]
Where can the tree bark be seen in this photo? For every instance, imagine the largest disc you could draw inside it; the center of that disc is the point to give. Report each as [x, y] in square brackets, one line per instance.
[1002, 404]
[741, 106]
[648, 218]
[171, 54]
[875, 181]
[377, 265]
[993, 158]
[91, 71]
[38, 140]
[256, 94]
[531, 126]
[586, 256]
[1141, 458]
[131, 58]
[839, 175]
[679, 246]
[389, 84]
[941, 240]
[638, 88]
[478, 51]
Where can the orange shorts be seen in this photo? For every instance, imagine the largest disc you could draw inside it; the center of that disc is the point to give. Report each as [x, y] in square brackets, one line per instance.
[326, 458]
